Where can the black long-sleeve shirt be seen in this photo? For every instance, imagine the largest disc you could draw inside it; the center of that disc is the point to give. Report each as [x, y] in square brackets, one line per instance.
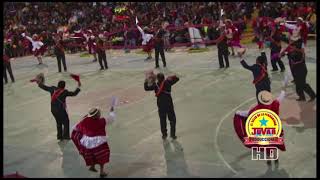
[164, 98]
[257, 73]
[61, 100]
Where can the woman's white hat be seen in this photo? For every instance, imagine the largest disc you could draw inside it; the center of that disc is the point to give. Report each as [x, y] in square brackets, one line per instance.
[93, 111]
[265, 97]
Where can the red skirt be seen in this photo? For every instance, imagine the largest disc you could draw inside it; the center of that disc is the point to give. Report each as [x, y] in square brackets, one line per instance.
[40, 51]
[97, 155]
[92, 49]
[148, 47]
[239, 124]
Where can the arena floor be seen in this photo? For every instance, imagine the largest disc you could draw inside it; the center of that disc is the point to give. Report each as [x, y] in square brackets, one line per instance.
[205, 99]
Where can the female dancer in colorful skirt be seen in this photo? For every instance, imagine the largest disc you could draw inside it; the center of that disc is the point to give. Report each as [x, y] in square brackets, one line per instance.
[266, 102]
[38, 48]
[90, 138]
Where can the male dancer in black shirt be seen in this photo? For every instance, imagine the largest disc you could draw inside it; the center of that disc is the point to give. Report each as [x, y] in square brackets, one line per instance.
[164, 101]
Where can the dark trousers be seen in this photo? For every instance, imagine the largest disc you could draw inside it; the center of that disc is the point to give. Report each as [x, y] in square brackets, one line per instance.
[265, 60]
[103, 57]
[264, 85]
[7, 67]
[61, 57]
[62, 120]
[163, 113]
[274, 62]
[160, 50]
[223, 53]
[300, 75]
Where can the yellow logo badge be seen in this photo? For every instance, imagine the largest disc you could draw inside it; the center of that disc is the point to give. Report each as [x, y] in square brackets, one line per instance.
[263, 127]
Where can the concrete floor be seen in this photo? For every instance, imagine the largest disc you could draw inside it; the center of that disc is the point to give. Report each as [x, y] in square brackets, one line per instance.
[205, 99]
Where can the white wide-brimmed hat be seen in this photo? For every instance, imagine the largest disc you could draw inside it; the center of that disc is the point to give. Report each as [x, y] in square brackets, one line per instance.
[265, 97]
[300, 18]
[93, 111]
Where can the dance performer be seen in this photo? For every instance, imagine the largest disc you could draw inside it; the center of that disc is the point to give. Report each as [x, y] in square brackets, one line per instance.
[59, 52]
[91, 139]
[275, 46]
[159, 46]
[38, 48]
[260, 74]
[7, 56]
[222, 44]
[162, 91]
[59, 106]
[100, 49]
[265, 102]
[299, 70]
[298, 31]
[91, 44]
[233, 36]
[146, 40]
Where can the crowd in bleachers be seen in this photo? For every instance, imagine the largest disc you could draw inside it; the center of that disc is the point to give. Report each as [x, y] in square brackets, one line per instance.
[45, 18]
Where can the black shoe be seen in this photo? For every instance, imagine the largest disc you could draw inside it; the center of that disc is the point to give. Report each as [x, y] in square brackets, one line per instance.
[93, 169]
[292, 81]
[268, 162]
[282, 70]
[157, 67]
[301, 99]
[227, 67]
[103, 175]
[67, 138]
[94, 60]
[101, 69]
[276, 163]
[273, 70]
[174, 137]
[312, 99]
[221, 67]
[164, 137]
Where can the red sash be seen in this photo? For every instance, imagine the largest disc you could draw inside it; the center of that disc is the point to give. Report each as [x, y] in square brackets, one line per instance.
[6, 58]
[261, 75]
[56, 94]
[160, 89]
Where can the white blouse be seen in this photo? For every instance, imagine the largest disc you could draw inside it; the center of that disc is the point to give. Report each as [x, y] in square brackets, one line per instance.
[145, 37]
[35, 44]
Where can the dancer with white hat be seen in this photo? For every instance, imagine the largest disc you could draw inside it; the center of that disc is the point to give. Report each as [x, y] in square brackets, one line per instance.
[91, 139]
[266, 101]
[38, 47]
[146, 40]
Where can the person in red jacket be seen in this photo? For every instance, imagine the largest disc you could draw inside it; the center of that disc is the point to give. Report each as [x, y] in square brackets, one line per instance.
[91, 139]
[92, 46]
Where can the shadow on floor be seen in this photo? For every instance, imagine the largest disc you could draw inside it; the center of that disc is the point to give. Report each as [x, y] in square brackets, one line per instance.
[275, 173]
[175, 160]
[71, 165]
[307, 117]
